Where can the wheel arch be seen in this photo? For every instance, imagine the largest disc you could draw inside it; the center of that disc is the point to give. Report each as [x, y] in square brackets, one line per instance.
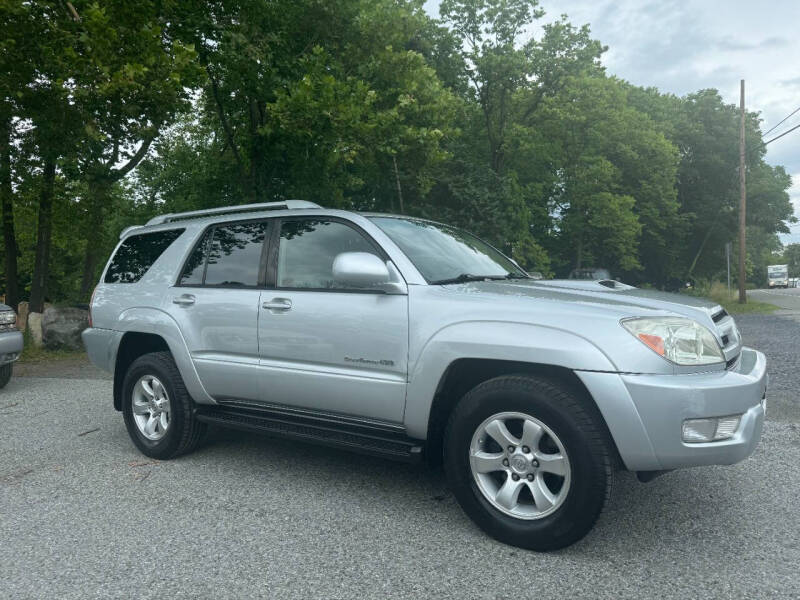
[464, 374]
[152, 330]
[133, 345]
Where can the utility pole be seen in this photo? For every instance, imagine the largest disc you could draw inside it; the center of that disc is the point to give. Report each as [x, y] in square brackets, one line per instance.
[728, 261]
[742, 203]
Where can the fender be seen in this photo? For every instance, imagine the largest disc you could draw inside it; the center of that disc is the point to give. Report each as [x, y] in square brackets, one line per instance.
[158, 322]
[492, 340]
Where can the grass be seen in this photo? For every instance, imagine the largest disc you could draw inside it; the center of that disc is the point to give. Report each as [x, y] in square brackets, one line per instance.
[718, 292]
[34, 354]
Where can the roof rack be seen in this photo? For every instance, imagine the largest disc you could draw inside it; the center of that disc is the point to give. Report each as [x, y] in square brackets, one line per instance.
[194, 214]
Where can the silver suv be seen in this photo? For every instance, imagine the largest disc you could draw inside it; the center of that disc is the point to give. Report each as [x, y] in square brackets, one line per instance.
[400, 337]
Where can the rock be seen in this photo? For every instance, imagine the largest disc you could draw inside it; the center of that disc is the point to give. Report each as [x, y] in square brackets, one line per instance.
[62, 327]
[22, 316]
[35, 327]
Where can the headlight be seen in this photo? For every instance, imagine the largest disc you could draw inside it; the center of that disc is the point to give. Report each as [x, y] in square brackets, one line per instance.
[682, 341]
[8, 317]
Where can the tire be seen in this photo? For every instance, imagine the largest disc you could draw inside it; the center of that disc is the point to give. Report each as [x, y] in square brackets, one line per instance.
[5, 374]
[571, 503]
[183, 432]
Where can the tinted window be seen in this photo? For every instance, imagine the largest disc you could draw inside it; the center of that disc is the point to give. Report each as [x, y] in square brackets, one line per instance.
[307, 250]
[195, 267]
[137, 254]
[234, 254]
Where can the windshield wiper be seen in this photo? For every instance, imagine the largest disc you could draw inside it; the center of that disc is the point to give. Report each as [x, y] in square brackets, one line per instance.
[463, 278]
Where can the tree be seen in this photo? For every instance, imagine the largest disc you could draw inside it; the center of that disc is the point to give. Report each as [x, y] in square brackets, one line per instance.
[791, 254]
[132, 76]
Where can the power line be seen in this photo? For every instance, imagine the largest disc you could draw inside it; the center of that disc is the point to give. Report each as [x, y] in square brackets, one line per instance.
[781, 135]
[784, 119]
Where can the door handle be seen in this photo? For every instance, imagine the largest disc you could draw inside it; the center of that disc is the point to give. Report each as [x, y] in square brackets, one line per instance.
[278, 304]
[183, 300]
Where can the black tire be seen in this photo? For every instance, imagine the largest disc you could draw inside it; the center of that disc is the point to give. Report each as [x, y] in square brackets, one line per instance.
[5, 374]
[184, 432]
[580, 431]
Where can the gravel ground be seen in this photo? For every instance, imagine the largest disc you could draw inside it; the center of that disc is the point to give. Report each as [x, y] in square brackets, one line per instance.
[779, 338]
[72, 367]
[83, 514]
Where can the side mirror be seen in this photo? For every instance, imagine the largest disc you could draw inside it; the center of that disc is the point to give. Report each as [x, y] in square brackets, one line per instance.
[360, 270]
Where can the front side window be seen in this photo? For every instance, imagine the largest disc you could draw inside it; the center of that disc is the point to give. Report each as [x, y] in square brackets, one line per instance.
[227, 256]
[137, 254]
[308, 248]
[442, 253]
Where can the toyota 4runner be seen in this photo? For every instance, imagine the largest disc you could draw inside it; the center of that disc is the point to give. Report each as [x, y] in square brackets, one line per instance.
[399, 337]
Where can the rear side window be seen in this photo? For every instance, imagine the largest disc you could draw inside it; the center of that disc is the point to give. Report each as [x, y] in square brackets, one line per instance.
[227, 256]
[137, 254]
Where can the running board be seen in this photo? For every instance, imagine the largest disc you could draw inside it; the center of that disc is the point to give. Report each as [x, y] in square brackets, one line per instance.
[363, 436]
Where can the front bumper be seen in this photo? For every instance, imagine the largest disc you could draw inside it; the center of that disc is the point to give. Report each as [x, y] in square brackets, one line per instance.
[10, 346]
[650, 439]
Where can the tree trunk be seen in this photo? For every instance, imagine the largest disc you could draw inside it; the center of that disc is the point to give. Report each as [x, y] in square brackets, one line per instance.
[399, 189]
[41, 264]
[98, 196]
[6, 201]
[256, 155]
[700, 251]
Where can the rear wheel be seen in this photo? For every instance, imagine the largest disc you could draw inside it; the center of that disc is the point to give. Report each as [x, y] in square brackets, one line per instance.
[528, 462]
[158, 410]
[5, 374]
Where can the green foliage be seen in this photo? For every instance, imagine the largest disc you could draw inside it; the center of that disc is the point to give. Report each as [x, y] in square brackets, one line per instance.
[718, 292]
[791, 255]
[371, 105]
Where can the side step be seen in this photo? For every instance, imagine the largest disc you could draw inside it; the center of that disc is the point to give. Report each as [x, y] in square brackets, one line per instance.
[363, 436]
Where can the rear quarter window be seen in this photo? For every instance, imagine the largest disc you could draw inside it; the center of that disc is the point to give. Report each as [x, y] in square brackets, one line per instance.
[137, 254]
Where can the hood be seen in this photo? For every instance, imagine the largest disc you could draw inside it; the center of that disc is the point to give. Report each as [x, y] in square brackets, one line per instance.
[615, 296]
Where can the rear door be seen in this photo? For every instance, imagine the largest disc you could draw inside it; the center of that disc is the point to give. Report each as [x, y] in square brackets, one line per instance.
[325, 347]
[216, 304]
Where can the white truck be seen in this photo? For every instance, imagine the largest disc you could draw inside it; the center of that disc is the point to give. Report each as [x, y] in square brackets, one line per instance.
[778, 276]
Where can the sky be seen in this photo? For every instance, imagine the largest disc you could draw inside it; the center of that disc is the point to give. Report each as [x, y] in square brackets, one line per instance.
[681, 46]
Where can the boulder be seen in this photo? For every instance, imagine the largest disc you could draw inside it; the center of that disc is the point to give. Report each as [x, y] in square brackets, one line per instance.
[35, 327]
[62, 327]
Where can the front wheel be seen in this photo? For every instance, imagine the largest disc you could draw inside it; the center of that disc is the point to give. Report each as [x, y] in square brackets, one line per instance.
[528, 462]
[158, 411]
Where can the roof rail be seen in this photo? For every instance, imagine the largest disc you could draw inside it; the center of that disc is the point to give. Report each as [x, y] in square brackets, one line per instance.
[127, 230]
[194, 214]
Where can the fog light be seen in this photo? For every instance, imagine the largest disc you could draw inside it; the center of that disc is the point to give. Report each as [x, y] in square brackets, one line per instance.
[711, 429]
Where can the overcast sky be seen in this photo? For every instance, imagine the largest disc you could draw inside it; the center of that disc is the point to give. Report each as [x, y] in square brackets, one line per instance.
[681, 46]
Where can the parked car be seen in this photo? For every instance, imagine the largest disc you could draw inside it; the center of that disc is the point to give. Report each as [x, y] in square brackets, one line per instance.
[401, 337]
[590, 274]
[10, 343]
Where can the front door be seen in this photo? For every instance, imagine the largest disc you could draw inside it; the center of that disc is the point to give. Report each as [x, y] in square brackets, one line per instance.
[324, 347]
[216, 304]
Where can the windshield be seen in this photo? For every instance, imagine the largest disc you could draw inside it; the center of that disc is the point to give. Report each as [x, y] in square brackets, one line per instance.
[442, 253]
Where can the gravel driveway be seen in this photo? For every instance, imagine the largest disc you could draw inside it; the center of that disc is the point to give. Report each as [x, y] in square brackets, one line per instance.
[82, 514]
